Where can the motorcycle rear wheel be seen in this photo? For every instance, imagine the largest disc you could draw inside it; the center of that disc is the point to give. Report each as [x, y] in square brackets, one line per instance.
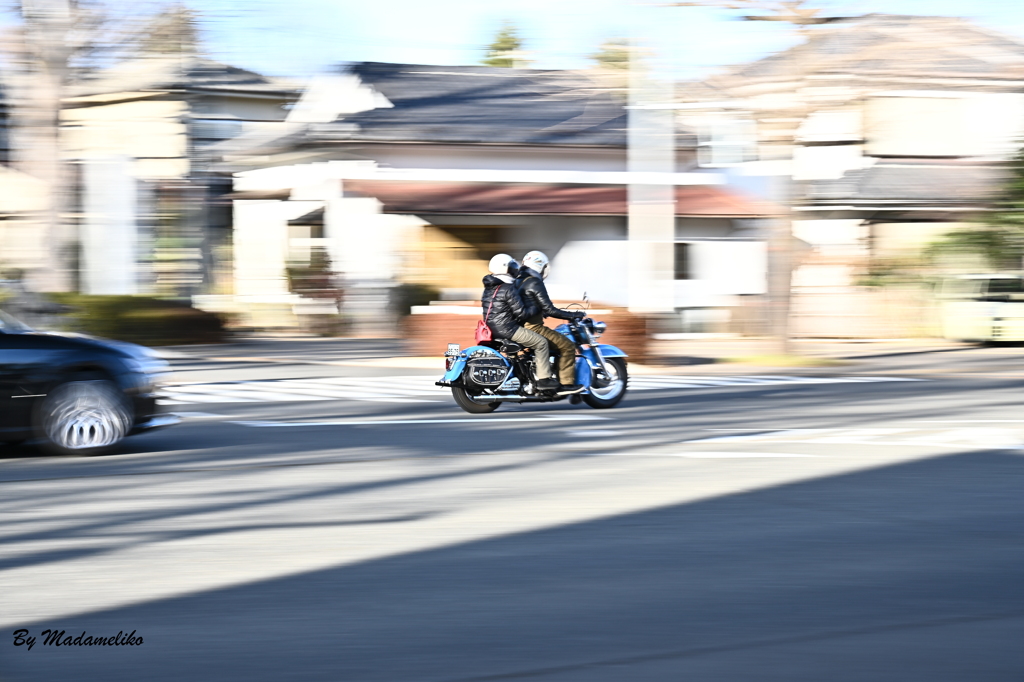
[463, 400]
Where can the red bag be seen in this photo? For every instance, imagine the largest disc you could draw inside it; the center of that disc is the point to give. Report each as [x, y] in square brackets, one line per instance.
[483, 332]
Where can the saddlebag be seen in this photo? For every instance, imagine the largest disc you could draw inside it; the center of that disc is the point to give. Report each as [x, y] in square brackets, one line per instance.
[486, 372]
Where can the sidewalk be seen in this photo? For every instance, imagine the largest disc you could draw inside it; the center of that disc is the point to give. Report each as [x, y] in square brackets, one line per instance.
[727, 355]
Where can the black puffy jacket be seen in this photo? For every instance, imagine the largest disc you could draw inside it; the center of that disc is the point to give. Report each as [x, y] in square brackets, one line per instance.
[535, 296]
[507, 312]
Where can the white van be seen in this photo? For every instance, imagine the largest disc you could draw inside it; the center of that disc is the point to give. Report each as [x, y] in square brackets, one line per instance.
[983, 307]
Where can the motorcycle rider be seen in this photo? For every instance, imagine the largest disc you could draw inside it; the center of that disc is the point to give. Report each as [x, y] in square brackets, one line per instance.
[531, 277]
[504, 312]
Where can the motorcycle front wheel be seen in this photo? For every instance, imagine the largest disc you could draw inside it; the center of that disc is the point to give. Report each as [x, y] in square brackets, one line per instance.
[610, 395]
[463, 400]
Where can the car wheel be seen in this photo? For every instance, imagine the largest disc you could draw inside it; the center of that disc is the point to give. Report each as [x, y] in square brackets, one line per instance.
[84, 418]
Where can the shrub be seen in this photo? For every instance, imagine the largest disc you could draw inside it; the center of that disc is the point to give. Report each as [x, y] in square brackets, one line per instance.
[138, 319]
[405, 296]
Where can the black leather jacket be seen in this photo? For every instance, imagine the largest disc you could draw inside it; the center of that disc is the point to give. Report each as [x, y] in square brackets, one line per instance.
[535, 295]
[507, 312]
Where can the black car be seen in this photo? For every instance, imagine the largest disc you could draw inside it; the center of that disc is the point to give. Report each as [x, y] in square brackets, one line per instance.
[77, 394]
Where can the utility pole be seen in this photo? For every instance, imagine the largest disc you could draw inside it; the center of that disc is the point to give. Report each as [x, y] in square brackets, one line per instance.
[650, 148]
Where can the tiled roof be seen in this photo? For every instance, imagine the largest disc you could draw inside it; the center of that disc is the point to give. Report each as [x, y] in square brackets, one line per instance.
[479, 104]
[891, 44]
[913, 181]
[177, 73]
[541, 199]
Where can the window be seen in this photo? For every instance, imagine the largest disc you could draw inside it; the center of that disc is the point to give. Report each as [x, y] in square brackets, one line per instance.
[682, 259]
[726, 141]
[1004, 286]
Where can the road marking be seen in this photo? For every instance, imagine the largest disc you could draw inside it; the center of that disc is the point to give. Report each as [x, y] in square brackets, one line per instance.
[402, 389]
[593, 434]
[997, 438]
[759, 435]
[705, 455]
[653, 383]
[386, 422]
[973, 421]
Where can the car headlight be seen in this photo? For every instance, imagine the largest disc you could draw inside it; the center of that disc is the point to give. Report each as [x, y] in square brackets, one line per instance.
[151, 371]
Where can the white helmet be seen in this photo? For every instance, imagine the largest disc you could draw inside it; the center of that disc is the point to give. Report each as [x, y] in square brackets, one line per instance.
[499, 264]
[537, 261]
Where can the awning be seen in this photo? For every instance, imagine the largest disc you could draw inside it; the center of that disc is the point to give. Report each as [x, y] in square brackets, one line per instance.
[539, 199]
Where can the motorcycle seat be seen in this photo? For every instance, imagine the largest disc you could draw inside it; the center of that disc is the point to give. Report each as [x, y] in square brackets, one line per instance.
[508, 346]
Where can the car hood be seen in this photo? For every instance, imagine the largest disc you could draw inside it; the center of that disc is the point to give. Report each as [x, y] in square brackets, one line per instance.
[131, 350]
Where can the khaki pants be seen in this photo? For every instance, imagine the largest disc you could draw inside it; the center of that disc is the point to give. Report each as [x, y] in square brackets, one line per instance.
[567, 352]
[541, 351]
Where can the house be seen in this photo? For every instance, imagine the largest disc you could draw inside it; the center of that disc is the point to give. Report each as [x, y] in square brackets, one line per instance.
[419, 173]
[138, 137]
[893, 129]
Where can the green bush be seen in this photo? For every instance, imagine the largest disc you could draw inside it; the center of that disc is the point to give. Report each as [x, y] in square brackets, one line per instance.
[405, 296]
[147, 321]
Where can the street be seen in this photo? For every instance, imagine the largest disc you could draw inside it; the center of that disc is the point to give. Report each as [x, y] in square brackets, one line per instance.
[312, 519]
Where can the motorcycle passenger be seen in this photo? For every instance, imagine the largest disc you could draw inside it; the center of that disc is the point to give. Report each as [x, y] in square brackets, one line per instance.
[531, 277]
[504, 312]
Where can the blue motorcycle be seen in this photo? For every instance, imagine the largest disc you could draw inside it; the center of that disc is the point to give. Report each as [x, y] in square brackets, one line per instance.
[483, 377]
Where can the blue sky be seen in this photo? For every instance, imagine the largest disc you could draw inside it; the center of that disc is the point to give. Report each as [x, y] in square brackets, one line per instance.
[301, 37]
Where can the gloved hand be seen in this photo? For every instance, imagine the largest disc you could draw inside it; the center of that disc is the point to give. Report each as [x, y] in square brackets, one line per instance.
[578, 314]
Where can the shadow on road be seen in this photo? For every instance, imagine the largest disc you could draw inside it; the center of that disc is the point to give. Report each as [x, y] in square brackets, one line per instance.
[905, 572]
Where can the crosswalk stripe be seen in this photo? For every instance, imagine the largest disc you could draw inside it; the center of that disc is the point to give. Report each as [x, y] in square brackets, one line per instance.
[422, 389]
[1000, 438]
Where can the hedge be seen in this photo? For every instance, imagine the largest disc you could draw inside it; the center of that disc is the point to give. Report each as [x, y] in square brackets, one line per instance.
[138, 319]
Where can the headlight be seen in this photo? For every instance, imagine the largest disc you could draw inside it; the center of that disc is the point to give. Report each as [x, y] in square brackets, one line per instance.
[599, 328]
[152, 370]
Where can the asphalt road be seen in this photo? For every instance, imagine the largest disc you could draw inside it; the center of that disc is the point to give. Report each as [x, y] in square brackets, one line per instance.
[801, 526]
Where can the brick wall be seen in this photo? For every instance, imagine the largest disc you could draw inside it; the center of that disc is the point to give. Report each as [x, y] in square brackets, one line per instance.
[429, 335]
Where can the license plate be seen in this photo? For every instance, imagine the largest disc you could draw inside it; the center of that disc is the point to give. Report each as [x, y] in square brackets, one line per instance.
[453, 349]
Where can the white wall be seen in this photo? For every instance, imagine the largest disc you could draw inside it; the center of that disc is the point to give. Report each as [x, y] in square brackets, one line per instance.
[595, 267]
[941, 123]
[150, 132]
[721, 270]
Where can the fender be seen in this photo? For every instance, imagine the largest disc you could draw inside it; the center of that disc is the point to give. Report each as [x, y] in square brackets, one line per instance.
[607, 351]
[588, 358]
[463, 357]
[610, 351]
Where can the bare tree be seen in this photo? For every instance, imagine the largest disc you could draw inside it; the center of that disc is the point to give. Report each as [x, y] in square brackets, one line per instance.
[56, 43]
[37, 74]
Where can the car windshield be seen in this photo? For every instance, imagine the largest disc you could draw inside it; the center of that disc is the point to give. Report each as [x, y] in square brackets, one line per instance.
[11, 325]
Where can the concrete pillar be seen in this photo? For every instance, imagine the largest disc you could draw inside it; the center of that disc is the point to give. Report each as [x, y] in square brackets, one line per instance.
[367, 248]
[651, 212]
[261, 247]
[109, 234]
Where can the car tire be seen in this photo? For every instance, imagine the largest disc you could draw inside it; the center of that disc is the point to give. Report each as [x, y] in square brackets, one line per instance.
[84, 417]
